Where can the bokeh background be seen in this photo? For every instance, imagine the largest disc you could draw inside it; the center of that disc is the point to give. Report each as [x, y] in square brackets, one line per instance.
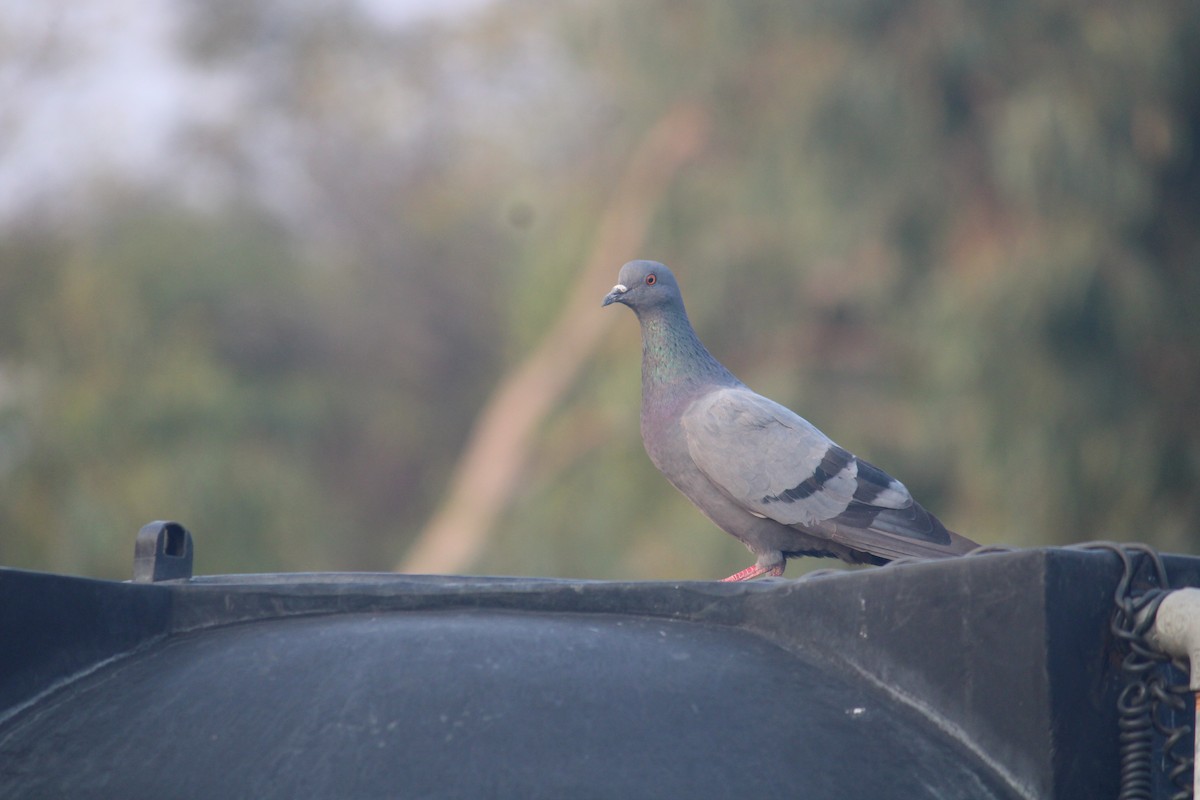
[321, 280]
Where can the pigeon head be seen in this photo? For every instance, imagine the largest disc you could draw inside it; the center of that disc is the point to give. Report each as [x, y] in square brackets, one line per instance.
[643, 285]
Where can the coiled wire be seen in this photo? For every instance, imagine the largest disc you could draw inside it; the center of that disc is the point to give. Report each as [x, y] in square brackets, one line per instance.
[1150, 698]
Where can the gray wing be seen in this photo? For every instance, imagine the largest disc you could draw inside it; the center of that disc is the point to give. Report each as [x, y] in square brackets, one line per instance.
[776, 464]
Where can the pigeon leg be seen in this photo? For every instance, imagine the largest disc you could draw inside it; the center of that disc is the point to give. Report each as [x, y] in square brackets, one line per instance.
[753, 571]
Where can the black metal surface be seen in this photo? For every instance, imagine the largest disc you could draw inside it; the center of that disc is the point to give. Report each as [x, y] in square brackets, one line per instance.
[481, 704]
[980, 677]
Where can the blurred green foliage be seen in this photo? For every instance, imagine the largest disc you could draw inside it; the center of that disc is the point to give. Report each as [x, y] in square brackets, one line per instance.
[959, 237]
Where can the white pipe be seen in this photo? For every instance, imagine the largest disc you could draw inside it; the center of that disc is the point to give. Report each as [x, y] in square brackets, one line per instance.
[1176, 632]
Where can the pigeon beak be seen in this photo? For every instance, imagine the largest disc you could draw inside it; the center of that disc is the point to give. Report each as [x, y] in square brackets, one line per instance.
[615, 295]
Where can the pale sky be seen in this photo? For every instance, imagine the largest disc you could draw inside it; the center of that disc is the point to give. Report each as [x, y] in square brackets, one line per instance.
[94, 89]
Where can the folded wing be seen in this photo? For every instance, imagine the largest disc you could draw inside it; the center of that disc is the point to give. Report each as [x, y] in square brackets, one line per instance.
[776, 464]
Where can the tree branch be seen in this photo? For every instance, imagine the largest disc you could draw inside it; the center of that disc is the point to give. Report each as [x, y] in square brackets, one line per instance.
[490, 467]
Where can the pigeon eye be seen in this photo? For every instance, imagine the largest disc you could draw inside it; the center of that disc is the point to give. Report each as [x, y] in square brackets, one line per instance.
[651, 280]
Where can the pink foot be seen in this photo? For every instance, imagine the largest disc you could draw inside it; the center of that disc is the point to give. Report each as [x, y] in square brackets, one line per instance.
[754, 571]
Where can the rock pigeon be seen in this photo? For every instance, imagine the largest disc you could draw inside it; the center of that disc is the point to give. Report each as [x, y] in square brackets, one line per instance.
[756, 469]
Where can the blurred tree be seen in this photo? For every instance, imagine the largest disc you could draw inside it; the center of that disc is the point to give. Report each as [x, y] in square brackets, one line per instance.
[958, 237]
[938, 214]
[158, 377]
